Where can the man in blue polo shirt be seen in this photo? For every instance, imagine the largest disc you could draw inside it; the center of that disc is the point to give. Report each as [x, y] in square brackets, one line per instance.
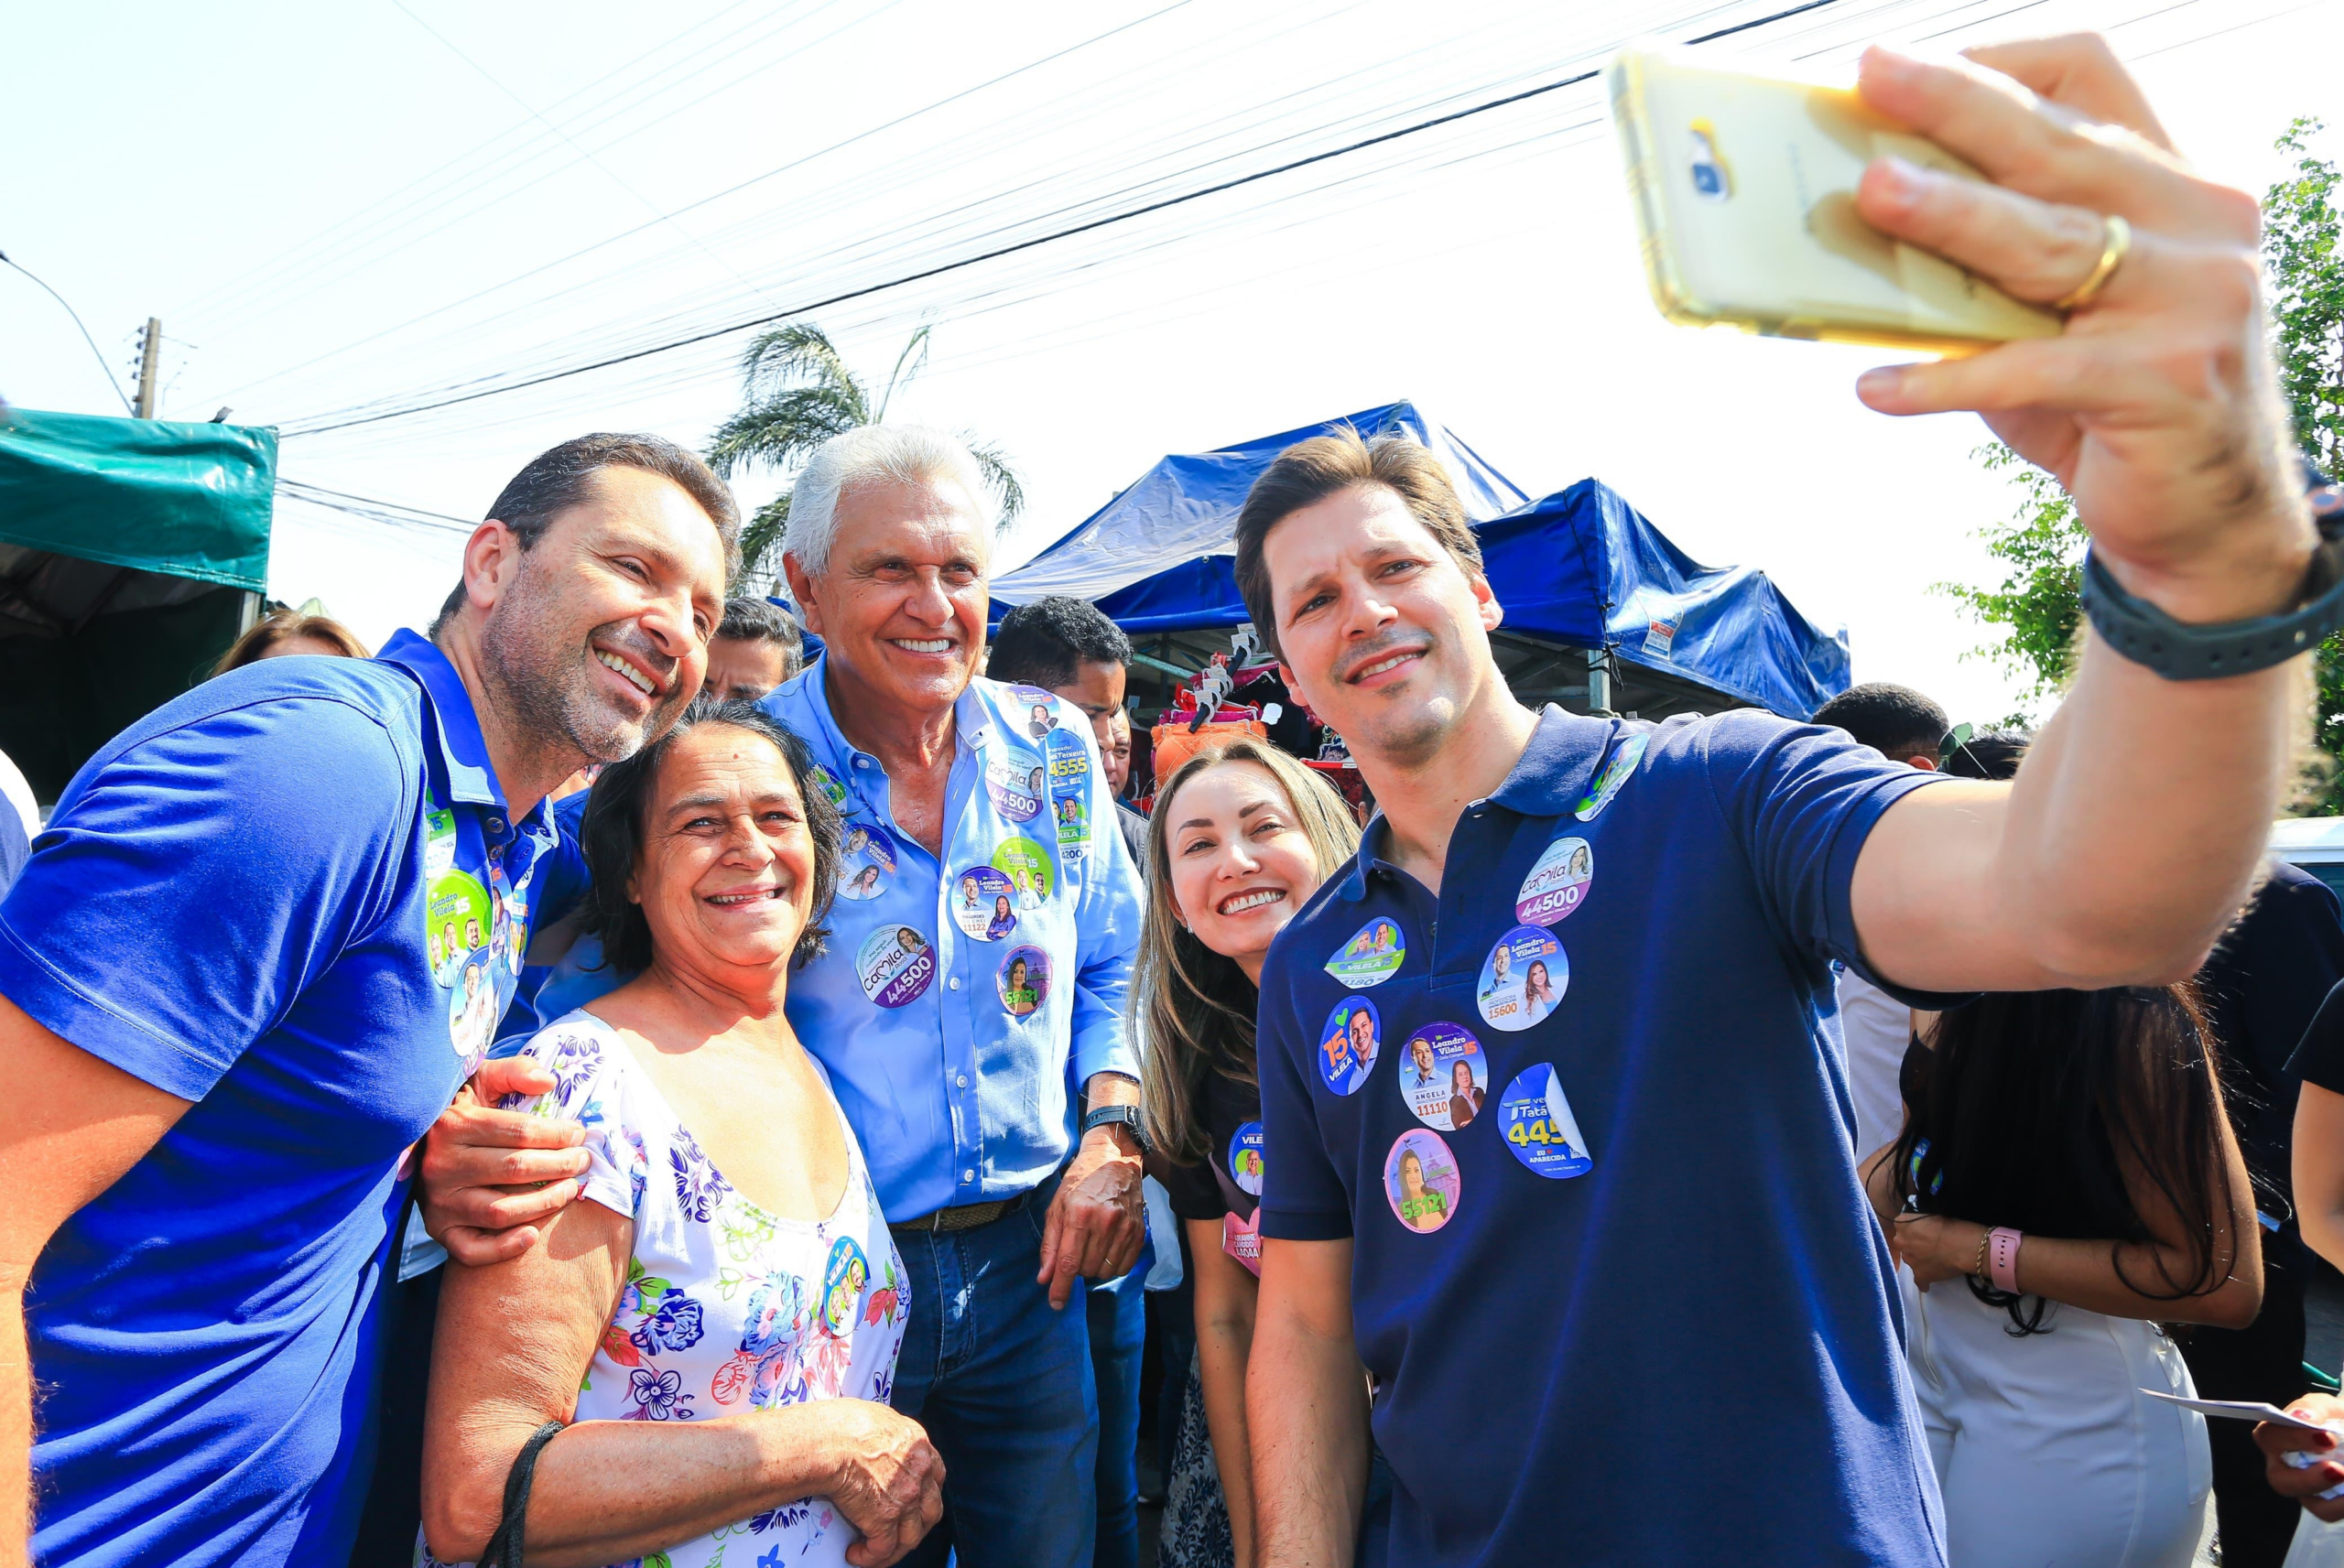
[261, 942]
[1620, 1294]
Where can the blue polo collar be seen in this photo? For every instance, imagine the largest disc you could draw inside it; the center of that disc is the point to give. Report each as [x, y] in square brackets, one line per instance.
[460, 756]
[1555, 772]
[972, 716]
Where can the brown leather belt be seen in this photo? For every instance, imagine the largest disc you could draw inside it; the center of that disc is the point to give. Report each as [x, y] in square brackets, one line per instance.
[967, 1216]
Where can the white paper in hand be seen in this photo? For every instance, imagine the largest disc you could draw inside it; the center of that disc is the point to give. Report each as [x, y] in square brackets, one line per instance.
[2242, 1410]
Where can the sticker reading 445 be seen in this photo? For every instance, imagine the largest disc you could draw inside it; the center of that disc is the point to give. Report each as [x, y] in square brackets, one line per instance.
[1538, 1125]
[894, 964]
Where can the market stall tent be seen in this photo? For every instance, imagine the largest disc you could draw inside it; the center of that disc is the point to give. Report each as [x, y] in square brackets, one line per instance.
[131, 553]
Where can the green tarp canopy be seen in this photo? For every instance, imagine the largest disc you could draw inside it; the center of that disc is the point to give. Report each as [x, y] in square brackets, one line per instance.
[131, 553]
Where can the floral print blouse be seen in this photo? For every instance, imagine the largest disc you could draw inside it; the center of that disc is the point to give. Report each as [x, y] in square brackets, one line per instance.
[727, 1308]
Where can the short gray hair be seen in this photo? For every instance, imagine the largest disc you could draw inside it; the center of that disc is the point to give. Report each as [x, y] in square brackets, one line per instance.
[877, 454]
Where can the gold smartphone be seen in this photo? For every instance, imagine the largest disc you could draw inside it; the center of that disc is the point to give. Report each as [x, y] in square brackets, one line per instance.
[1745, 198]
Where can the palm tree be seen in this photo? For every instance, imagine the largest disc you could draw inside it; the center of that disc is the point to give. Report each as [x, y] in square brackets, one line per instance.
[797, 393]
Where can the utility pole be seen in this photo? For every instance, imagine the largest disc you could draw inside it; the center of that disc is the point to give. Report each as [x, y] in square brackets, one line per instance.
[151, 354]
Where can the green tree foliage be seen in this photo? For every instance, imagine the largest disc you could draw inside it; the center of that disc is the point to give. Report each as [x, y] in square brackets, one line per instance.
[798, 392]
[2040, 546]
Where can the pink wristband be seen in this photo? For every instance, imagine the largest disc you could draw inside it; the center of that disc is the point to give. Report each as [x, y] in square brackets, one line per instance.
[2001, 1258]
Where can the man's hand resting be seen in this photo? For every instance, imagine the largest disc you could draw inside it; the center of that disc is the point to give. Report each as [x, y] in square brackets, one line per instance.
[1096, 1223]
[490, 1175]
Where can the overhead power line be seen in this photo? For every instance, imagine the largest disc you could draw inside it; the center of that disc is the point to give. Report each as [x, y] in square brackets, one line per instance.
[372, 510]
[77, 322]
[1069, 232]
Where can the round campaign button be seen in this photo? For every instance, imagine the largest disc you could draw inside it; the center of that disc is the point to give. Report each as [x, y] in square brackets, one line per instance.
[505, 935]
[844, 1277]
[1420, 1180]
[1070, 783]
[894, 964]
[1037, 711]
[458, 913]
[827, 782]
[1523, 978]
[1538, 1125]
[1557, 883]
[1347, 1046]
[1242, 1239]
[471, 1006]
[1245, 1158]
[1014, 780]
[866, 862]
[1024, 980]
[983, 903]
[1443, 1076]
[1615, 773]
[1373, 954]
[1028, 866]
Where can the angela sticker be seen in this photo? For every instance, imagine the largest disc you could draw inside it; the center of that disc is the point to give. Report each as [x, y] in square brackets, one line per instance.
[1420, 1180]
[1523, 978]
[1538, 1125]
[1024, 980]
[1557, 883]
[1014, 780]
[1372, 957]
[866, 863]
[1444, 1075]
[1348, 1046]
[1245, 1159]
[894, 964]
[983, 903]
[1615, 774]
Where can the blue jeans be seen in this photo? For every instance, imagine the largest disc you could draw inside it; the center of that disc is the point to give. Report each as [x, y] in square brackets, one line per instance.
[1118, 1313]
[1003, 1385]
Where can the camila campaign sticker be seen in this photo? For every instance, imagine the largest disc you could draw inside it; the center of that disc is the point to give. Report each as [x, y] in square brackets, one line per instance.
[1557, 883]
[1420, 1180]
[828, 783]
[866, 863]
[457, 912]
[1348, 1046]
[1615, 774]
[1242, 1239]
[1037, 711]
[1443, 1076]
[985, 904]
[1371, 956]
[1523, 978]
[1024, 980]
[1014, 780]
[1538, 1127]
[894, 964]
[1245, 1158]
[1069, 782]
[1028, 866]
[844, 1277]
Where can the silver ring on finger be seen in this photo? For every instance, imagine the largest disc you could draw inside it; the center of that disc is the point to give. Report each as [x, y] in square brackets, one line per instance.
[2116, 243]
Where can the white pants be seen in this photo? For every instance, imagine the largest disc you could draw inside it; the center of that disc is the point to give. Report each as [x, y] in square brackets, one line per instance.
[2046, 1456]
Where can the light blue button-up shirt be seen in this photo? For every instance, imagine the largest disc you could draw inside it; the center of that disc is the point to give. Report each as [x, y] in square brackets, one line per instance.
[956, 993]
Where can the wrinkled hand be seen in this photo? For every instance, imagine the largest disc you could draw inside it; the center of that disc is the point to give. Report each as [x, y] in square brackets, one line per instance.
[887, 1478]
[2156, 407]
[1934, 1247]
[490, 1175]
[1096, 1223]
[2306, 1485]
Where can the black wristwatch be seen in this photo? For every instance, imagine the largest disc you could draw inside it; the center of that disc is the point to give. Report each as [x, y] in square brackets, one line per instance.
[1108, 1115]
[2148, 637]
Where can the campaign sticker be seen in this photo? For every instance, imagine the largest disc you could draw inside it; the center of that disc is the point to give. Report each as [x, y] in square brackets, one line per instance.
[1615, 774]
[844, 1277]
[828, 783]
[1024, 980]
[439, 844]
[894, 964]
[1372, 955]
[1557, 883]
[985, 904]
[1070, 783]
[457, 912]
[1420, 1180]
[1539, 1128]
[471, 1007]
[1245, 1158]
[1523, 978]
[1037, 710]
[1443, 1076]
[1014, 780]
[1028, 866]
[1242, 1239]
[1347, 1046]
[866, 861]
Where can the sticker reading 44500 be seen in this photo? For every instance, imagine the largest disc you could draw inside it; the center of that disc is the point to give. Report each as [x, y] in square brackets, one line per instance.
[1557, 883]
[894, 964]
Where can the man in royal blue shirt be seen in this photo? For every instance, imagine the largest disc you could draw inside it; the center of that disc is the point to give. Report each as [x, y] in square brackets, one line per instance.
[1634, 1309]
[233, 1005]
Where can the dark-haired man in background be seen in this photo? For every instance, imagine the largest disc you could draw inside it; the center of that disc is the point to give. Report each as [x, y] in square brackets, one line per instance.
[755, 649]
[227, 1028]
[1067, 647]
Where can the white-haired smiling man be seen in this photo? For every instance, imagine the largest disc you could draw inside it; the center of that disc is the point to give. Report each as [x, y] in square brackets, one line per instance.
[954, 1041]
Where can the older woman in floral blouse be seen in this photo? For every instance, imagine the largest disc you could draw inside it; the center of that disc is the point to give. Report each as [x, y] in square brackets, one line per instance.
[717, 1330]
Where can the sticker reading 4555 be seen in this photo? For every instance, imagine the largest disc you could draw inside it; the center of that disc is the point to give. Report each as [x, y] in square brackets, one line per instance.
[1557, 883]
[1069, 769]
[1372, 957]
[1538, 1125]
[1615, 774]
[1348, 1046]
[894, 964]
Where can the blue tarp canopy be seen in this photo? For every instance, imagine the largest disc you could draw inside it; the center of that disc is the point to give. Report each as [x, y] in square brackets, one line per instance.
[1580, 568]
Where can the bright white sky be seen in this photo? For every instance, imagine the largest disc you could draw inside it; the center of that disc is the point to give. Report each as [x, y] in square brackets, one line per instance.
[330, 205]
